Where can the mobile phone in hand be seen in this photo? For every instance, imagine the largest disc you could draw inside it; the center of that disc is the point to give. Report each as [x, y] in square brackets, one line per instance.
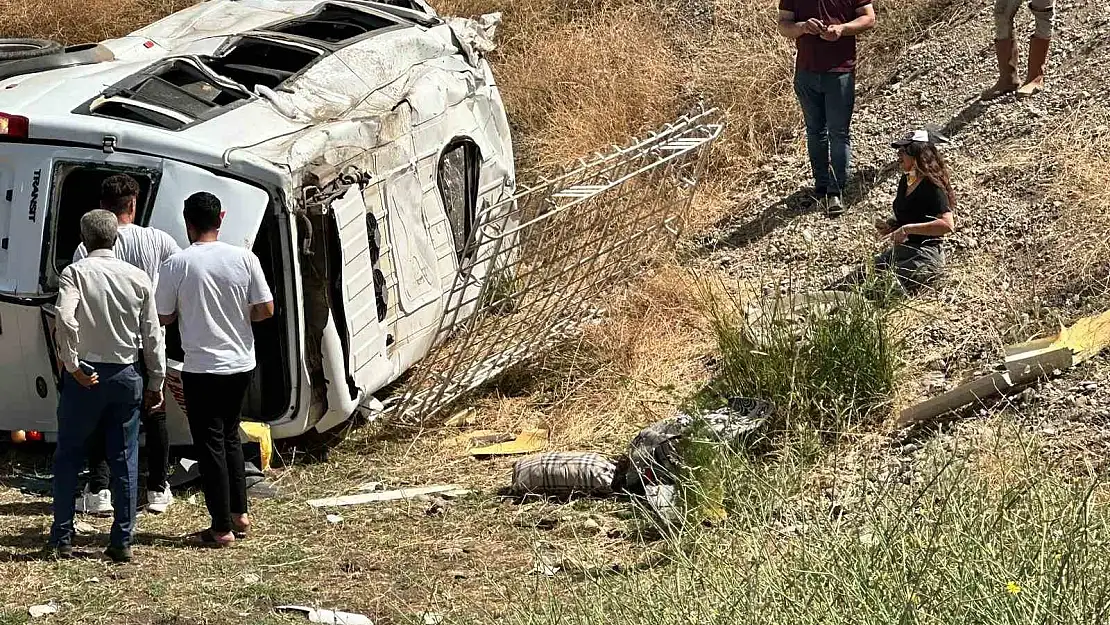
[86, 368]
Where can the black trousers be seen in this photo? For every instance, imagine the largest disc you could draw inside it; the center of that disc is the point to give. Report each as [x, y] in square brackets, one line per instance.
[212, 403]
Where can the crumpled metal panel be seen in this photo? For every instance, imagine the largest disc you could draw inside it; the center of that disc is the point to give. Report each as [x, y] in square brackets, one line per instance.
[220, 19]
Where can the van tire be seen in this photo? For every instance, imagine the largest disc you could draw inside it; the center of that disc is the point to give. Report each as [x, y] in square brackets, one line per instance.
[20, 49]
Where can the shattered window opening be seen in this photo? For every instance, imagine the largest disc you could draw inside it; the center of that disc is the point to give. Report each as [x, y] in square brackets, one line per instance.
[458, 187]
[123, 110]
[253, 61]
[182, 87]
[334, 24]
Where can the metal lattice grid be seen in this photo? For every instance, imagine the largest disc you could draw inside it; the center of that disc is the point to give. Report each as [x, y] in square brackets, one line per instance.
[539, 265]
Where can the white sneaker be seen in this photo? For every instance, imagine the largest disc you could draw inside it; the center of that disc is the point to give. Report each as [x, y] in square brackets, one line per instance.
[157, 501]
[95, 503]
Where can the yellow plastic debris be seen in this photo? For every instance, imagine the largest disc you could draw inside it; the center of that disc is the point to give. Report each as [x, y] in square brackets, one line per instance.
[527, 442]
[259, 433]
[1086, 337]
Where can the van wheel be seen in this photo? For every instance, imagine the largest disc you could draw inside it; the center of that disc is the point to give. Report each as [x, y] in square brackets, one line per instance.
[19, 49]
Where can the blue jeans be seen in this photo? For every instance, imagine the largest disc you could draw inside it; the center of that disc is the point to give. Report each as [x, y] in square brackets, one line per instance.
[113, 407]
[827, 100]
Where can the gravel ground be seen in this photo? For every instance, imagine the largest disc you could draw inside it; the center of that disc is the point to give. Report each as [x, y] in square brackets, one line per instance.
[1006, 281]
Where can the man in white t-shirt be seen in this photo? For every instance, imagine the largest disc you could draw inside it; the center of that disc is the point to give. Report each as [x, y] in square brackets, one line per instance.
[215, 291]
[147, 249]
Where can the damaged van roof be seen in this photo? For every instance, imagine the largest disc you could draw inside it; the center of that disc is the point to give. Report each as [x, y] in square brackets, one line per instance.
[229, 75]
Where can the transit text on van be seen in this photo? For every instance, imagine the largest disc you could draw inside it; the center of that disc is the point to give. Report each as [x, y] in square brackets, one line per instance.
[34, 195]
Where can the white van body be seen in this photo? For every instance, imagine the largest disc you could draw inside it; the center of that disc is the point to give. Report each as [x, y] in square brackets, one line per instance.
[330, 131]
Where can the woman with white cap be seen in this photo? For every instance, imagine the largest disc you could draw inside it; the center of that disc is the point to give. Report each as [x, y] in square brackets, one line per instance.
[923, 214]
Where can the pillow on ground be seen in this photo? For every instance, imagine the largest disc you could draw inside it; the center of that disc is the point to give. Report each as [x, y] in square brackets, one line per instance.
[564, 473]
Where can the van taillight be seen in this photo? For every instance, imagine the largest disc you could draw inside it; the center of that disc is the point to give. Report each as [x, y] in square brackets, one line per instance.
[14, 126]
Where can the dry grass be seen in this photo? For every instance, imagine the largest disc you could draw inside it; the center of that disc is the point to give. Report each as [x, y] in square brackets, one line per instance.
[1078, 244]
[76, 21]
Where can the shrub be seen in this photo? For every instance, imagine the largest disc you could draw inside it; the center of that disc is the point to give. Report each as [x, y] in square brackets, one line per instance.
[827, 361]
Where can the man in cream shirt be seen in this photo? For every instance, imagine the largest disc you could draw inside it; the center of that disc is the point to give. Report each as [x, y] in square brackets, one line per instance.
[106, 320]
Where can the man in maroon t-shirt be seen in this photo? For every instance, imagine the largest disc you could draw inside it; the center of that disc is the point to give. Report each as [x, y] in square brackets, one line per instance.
[824, 80]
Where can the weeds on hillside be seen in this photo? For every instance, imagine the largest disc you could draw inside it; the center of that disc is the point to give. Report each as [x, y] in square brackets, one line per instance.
[982, 534]
[828, 361]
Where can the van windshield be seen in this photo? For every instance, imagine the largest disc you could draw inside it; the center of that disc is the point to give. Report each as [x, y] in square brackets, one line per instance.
[77, 191]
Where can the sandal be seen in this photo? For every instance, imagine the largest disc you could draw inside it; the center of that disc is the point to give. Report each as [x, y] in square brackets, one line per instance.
[208, 538]
[239, 530]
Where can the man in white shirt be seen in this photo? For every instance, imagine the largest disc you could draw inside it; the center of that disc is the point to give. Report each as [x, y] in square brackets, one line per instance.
[215, 291]
[147, 249]
[106, 318]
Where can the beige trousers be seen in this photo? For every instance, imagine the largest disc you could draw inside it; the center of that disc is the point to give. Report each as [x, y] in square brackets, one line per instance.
[1005, 10]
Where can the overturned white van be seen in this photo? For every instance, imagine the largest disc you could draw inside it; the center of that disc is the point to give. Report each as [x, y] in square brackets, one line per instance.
[352, 144]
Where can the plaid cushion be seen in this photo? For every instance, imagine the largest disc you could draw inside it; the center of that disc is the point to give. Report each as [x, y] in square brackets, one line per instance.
[563, 473]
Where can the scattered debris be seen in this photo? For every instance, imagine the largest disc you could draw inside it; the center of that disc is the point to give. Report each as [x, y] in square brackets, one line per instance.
[259, 433]
[388, 495]
[1025, 363]
[481, 438]
[251, 578]
[188, 471]
[545, 565]
[564, 473]
[370, 487]
[656, 457]
[455, 494]
[39, 611]
[326, 616]
[83, 529]
[334, 519]
[437, 507]
[527, 442]
[185, 472]
[462, 418]
[31, 484]
[431, 618]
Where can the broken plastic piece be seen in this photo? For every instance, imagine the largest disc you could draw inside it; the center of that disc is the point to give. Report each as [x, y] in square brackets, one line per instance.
[327, 616]
[388, 495]
[39, 611]
[260, 433]
[527, 442]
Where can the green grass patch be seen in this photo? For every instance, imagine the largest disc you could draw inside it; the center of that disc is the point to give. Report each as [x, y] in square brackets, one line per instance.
[828, 361]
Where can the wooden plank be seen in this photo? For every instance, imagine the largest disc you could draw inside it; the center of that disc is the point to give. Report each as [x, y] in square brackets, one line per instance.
[1025, 368]
[387, 495]
[976, 390]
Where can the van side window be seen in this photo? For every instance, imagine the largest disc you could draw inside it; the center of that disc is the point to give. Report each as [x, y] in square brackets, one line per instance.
[77, 191]
[458, 185]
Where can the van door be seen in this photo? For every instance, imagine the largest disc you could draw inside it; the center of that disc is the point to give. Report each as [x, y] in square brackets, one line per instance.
[244, 205]
[367, 362]
[44, 191]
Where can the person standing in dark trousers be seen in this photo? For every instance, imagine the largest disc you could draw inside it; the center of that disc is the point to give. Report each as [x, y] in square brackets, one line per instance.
[215, 291]
[147, 249]
[106, 317]
[824, 80]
